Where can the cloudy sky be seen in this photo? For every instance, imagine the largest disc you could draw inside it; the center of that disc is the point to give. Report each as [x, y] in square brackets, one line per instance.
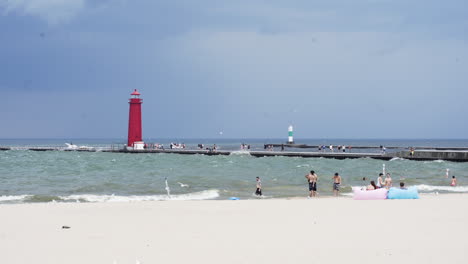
[248, 68]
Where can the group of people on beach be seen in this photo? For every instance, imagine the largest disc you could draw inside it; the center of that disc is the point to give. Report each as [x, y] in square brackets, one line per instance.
[312, 179]
[381, 182]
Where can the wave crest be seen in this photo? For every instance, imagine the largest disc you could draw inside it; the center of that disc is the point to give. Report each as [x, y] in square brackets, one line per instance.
[430, 188]
[10, 198]
[203, 195]
[397, 158]
[240, 152]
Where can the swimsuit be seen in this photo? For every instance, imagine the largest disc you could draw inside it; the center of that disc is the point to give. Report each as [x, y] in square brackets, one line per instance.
[313, 186]
[258, 191]
[336, 186]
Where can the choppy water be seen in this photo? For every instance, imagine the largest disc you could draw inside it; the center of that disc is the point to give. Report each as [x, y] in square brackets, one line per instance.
[28, 176]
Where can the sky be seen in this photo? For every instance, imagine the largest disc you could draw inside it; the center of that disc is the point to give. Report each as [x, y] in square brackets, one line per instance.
[234, 69]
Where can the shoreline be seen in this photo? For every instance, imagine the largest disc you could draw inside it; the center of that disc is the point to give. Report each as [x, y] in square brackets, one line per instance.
[423, 196]
[13, 199]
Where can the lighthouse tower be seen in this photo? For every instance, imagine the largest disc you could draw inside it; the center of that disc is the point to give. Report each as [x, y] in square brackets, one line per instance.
[134, 122]
[290, 135]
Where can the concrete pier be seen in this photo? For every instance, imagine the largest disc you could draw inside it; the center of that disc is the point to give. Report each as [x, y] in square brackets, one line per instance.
[276, 145]
[264, 153]
[456, 155]
[450, 155]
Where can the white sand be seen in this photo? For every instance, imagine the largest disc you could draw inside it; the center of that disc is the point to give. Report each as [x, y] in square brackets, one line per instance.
[326, 230]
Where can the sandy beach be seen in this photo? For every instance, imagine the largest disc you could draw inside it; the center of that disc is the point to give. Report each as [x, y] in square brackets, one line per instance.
[326, 230]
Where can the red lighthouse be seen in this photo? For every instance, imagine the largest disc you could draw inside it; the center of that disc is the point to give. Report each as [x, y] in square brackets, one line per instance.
[134, 121]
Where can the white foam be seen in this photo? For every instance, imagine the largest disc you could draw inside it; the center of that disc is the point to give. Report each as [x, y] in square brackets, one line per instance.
[397, 158]
[5, 198]
[438, 161]
[424, 187]
[240, 152]
[203, 195]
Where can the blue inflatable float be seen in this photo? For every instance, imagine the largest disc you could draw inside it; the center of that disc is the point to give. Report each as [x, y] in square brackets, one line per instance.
[397, 193]
[234, 198]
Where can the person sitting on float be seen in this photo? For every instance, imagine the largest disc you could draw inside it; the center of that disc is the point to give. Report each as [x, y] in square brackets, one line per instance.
[402, 186]
[372, 186]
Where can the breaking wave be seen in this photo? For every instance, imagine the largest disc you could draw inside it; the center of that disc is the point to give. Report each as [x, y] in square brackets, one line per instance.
[203, 195]
[240, 152]
[434, 161]
[13, 198]
[431, 188]
[397, 158]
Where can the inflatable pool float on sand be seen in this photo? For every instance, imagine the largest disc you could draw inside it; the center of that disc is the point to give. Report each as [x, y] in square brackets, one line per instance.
[379, 194]
[397, 193]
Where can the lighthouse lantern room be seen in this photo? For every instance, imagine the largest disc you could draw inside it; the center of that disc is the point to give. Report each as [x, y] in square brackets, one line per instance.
[135, 140]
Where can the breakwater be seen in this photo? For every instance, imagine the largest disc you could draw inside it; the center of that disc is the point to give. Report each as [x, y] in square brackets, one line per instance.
[264, 153]
[305, 146]
[440, 153]
[423, 155]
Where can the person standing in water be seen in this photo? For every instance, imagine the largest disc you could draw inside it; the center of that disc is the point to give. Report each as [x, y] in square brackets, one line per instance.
[259, 187]
[336, 184]
[454, 181]
[312, 180]
[388, 181]
[380, 182]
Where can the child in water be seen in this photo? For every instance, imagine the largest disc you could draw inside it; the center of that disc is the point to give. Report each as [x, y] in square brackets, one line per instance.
[454, 181]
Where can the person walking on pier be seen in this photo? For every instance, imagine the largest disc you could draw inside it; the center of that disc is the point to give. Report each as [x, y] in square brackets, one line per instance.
[258, 192]
[312, 180]
[336, 184]
[383, 149]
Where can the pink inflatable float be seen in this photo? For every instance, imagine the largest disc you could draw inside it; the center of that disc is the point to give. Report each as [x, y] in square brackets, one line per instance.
[379, 194]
